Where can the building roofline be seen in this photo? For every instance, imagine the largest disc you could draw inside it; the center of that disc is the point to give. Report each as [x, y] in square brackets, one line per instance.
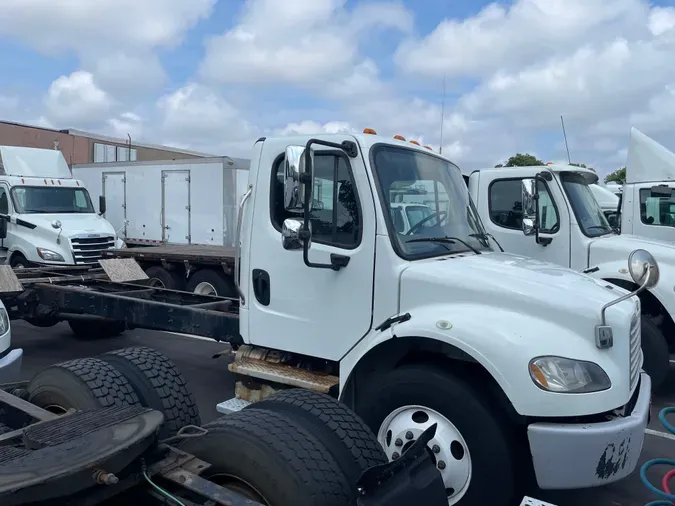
[117, 140]
[26, 125]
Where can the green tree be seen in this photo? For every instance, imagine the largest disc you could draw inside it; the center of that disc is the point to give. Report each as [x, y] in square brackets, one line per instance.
[521, 160]
[618, 176]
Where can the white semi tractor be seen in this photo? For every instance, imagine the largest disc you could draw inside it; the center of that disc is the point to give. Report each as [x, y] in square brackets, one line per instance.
[51, 219]
[519, 362]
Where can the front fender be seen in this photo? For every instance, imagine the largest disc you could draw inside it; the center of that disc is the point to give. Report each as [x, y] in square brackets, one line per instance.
[664, 291]
[503, 342]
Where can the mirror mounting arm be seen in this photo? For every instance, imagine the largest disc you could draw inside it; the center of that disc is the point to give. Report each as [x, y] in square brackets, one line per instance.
[337, 261]
[543, 241]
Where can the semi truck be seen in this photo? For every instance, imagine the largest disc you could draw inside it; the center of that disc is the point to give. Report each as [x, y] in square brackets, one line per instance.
[517, 362]
[51, 219]
[570, 229]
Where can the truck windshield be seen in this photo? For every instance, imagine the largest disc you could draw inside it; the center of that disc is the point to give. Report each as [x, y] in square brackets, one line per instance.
[50, 199]
[588, 212]
[443, 219]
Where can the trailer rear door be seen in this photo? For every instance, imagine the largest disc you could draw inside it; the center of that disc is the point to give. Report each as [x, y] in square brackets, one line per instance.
[176, 206]
[114, 189]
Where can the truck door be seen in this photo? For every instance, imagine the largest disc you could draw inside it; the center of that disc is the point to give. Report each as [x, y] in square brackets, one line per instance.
[500, 206]
[176, 206]
[316, 312]
[652, 213]
[114, 186]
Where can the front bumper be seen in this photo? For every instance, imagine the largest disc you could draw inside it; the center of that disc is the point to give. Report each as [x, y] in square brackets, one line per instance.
[569, 456]
[10, 365]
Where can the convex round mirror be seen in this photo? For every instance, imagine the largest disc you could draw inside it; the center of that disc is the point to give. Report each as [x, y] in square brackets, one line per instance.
[643, 268]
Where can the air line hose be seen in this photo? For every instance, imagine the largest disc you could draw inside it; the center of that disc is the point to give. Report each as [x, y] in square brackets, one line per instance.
[668, 499]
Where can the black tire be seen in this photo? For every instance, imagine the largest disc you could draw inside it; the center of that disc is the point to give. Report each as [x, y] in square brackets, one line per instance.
[222, 285]
[83, 383]
[92, 329]
[43, 322]
[18, 260]
[162, 278]
[158, 384]
[655, 351]
[286, 463]
[346, 436]
[492, 458]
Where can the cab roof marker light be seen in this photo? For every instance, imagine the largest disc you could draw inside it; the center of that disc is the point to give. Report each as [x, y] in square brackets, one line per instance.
[369, 131]
[412, 141]
[429, 148]
[399, 137]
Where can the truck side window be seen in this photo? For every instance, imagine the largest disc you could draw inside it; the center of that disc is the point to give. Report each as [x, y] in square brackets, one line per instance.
[335, 217]
[4, 201]
[656, 210]
[506, 207]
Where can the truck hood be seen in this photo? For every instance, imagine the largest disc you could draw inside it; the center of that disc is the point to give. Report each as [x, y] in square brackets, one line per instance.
[512, 280]
[73, 224]
[617, 248]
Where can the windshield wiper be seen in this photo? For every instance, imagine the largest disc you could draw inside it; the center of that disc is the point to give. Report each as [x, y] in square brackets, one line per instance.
[445, 240]
[485, 236]
[601, 227]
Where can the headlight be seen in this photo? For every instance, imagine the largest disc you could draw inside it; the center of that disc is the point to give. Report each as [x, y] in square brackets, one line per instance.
[4, 321]
[564, 375]
[49, 255]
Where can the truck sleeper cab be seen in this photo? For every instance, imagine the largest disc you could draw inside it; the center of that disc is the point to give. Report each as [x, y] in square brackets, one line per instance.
[572, 231]
[49, 215]
[431, 325]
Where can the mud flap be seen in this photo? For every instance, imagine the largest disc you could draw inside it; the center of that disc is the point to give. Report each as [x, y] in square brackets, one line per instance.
[412, 479]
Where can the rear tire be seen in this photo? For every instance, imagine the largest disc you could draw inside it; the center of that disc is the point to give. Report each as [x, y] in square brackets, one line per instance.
[346, 436]
[83, 383]
[158, 384]
[19, 261]
[211, 282]
[163, 278]
[269, 453]
[91, 329]
[655, 351]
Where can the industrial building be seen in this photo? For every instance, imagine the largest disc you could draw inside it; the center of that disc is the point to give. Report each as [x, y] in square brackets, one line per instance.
[83, 147]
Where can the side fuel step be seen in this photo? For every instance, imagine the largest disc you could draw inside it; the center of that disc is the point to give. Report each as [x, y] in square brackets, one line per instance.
[284, 374]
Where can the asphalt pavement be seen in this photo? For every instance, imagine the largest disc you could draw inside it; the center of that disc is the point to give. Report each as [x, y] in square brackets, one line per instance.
[210, 381]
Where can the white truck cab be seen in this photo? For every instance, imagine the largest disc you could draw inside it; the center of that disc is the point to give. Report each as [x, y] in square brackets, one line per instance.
[571, 230]
[521, 363]
[50, 217]
[647, 200]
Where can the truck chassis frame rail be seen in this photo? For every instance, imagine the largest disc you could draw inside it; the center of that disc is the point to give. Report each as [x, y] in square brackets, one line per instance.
[116, 292]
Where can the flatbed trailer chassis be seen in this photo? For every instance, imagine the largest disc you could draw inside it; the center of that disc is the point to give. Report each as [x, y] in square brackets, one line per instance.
[115, 292]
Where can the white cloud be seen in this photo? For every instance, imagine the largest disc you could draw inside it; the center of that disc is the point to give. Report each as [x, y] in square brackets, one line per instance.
[296, 42]
[77, 100]
[77, 25]
[198, 116]
[119, 72]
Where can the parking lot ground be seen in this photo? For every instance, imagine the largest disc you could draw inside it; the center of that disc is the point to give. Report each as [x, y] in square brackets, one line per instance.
[210, 381]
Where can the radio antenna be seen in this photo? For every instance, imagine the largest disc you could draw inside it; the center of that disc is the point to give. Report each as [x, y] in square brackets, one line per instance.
[562, 122]
[440, 150]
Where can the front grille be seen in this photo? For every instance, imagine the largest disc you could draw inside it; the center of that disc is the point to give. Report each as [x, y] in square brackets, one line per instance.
[635, 351]
[88, 250]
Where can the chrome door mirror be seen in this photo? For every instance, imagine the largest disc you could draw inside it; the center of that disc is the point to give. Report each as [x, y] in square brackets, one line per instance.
[643, 269]
[290, 234]
[295, 168]
[529, 205]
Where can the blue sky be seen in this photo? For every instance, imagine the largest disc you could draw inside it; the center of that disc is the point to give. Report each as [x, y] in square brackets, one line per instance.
[213, 75]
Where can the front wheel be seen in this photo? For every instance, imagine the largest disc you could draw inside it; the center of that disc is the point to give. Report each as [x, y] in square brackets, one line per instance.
[471, 447]
[656, 361]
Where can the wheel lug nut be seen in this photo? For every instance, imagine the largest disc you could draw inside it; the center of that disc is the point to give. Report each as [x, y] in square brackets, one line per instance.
[436, 449]
[394, 456]
[398, 442]
[441, 465]
[408, 435]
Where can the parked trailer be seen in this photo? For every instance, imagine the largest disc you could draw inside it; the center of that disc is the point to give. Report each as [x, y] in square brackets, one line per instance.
[192, 201]
[333, 298]
[101, 429]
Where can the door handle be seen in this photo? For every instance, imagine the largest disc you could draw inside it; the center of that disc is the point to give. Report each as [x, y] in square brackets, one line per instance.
[261, 286]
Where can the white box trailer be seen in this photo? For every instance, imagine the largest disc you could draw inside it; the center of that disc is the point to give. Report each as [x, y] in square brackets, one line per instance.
[177, 202]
